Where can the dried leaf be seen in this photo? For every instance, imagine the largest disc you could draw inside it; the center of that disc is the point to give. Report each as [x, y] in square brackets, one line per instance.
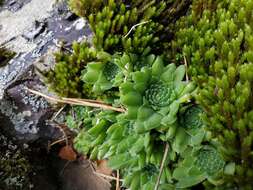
[67, 153]
[102, 167]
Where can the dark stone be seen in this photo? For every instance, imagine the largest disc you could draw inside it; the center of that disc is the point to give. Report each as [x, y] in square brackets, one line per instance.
[12, 2]
[26, 114]
[79, 175]
[37, 29]
[15, 6]
[62, 8]
[70, 16]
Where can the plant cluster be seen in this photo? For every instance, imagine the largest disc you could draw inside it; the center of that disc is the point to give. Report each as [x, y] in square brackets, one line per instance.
[137, 27]
[209, 140]
[158, 113]
[113, 23]
[216, 40]
[14, 166]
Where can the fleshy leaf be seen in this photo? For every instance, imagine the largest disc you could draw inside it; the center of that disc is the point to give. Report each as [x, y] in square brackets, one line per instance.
[190, 181]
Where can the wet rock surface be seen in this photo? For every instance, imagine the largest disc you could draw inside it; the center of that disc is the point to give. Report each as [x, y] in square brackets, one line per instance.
[59, 29]
[27, 113]
[14, 5]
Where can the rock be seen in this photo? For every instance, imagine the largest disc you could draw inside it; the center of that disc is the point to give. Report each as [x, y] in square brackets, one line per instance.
[37, 29]
[70, 16]
[46, 62]
[24, 114]
[79, 175]
[40, 36]
[79, 24]
[15, 6]
[24, 166]
[12, 2]
[61, 8]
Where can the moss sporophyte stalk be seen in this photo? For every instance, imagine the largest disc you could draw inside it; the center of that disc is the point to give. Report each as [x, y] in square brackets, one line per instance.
[183, 73]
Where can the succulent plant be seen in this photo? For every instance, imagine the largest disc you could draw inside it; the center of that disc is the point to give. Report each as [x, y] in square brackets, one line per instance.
[214, 41]
[190, 130]
[113, 70]
[158, 112]
[153, 95]
[218, 52]
[200, 164]
[103, 75]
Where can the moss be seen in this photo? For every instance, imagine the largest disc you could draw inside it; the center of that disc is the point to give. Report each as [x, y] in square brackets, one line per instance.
[64, 79]
[1, 2]
[14, 166]
[5, 56]
[216, 40]
[111, 22]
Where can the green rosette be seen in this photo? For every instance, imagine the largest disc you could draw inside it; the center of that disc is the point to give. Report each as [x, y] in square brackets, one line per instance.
[111, 70]
[189, 131]
[200, 164]
[153, 95]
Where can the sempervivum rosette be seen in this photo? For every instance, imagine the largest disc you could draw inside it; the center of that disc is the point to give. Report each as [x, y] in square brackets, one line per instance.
[200, 164]
[152, 95]
[110, 70]
[190, 129]
[103, 73]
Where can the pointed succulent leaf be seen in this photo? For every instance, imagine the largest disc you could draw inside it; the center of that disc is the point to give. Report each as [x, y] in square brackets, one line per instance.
[120, 161]
[190, 181]
[132, 99]
[179, 74]
[229, 168]
[157, 67]
[168, 74]
[181, 140]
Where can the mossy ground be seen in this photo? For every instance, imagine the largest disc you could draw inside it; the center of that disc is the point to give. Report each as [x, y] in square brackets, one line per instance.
[5, 56]
[14, 166]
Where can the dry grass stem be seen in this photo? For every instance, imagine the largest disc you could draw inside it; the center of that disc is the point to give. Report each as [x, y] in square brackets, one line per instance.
[162, 166]
[186, 69]
[80, 102]
[108, 177]
[57, 113]
[58, 141]
[134, 26]
[117, 182]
